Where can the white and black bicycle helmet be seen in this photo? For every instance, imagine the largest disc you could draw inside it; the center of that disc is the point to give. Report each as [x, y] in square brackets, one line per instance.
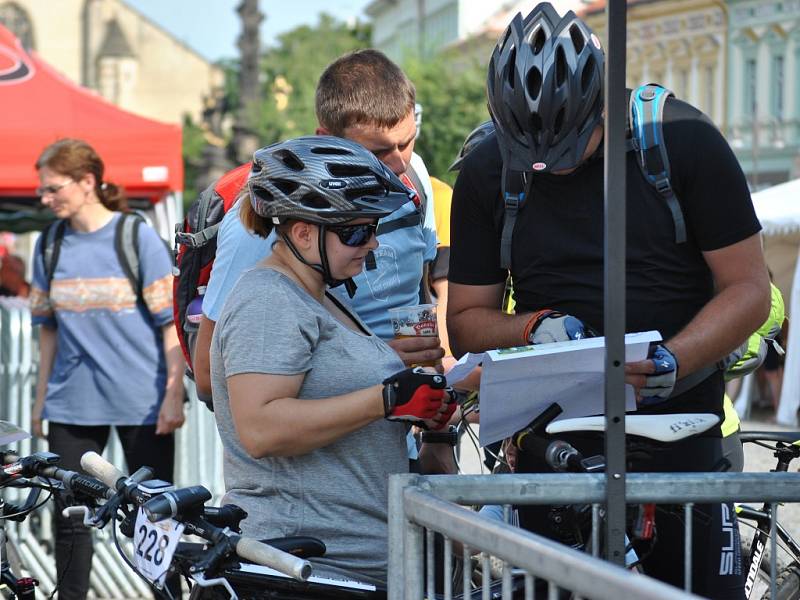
[474, 137]
[323, 180]
[545, 90]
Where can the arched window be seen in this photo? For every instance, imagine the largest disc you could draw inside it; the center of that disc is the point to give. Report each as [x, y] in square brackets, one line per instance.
[16, 20]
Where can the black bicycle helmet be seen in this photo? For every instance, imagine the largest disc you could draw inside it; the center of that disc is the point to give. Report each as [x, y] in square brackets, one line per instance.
[545, 90]
[324, 180]
[475, 137]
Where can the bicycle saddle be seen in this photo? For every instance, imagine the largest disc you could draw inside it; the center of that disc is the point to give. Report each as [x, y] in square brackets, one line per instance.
[663, 428]
[300, 546]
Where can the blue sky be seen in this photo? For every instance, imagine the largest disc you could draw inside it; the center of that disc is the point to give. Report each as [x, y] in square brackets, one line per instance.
[212, 26]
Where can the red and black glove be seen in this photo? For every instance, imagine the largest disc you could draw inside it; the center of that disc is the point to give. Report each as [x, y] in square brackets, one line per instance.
[417, 396]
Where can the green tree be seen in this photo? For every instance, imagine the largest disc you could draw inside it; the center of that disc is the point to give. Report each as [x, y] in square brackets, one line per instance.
[453, 99]
[193, 144]
[292, 68]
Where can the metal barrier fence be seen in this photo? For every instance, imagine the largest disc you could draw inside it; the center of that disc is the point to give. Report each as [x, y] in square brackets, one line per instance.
[420, 503]
[198, 460]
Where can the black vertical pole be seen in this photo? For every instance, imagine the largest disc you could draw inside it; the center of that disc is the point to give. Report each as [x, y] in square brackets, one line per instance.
[614, 294]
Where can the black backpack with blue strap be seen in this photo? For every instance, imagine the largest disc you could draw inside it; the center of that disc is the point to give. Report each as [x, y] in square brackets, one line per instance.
[646, 139]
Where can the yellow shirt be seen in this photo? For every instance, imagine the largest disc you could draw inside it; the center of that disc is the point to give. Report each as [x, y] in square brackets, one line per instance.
[442, 199]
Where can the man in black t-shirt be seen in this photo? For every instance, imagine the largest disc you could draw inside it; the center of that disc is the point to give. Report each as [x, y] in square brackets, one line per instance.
[705, 295]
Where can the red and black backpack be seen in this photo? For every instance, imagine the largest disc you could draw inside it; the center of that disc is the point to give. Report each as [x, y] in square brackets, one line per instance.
[196, 247]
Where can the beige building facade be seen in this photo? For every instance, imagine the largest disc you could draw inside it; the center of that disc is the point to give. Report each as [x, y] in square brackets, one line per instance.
[110, 47]
[681, 44]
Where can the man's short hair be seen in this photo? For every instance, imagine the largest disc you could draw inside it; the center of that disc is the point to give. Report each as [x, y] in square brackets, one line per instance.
[363, 88]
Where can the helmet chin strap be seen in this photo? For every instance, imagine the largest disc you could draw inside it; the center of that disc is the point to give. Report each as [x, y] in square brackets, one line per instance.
[324, 268]
[349, 284]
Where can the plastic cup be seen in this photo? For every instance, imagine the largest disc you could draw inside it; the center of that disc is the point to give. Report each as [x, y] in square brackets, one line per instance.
[415, 321]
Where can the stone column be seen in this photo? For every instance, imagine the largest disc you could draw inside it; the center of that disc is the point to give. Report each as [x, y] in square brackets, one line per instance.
[245, 140]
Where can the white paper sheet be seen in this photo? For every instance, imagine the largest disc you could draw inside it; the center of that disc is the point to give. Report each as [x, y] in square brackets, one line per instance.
[517, 384]
[465, 365]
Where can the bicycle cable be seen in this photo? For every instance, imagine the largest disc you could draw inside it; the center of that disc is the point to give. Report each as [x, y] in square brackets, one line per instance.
[757, 529]
[32, 509]
[132, 566]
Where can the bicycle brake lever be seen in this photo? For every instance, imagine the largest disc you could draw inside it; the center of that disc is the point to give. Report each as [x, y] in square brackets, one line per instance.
[200, 580]
[88, 516]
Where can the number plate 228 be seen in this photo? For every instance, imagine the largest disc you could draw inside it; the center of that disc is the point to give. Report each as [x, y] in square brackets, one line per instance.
[154, 545]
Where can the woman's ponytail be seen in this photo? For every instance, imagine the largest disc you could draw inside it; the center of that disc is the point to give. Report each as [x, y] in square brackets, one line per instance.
[112, 196]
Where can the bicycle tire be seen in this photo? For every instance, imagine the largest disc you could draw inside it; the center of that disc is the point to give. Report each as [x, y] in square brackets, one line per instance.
[787, 585]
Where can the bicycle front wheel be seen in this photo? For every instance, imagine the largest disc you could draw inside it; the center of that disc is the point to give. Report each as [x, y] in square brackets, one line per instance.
[787, 585]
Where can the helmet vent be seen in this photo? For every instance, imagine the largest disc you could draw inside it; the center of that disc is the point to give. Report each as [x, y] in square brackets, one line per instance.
[370, 194]
[510, 68]
[577, 38]
[262, 193]
[587, 74]
[314, 200]
[561, 66]
[348, 170]
[284, 185]
[289, 159]
[534, 81]
[330, 150]
[538, 41]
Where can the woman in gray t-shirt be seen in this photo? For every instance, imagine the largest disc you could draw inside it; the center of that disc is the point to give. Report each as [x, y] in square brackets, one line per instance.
[306, 398]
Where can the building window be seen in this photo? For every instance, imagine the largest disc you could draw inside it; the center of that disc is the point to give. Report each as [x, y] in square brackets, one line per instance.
[750, 89]
[16, 20]
[778, 87]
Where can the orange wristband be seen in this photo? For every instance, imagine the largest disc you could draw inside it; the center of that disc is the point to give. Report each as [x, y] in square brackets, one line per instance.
[535, 319]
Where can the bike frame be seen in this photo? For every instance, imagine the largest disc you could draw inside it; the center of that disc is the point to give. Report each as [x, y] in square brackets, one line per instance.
[763, 522]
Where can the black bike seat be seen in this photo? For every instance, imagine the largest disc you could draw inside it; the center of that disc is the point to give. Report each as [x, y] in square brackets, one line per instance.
[300, 546]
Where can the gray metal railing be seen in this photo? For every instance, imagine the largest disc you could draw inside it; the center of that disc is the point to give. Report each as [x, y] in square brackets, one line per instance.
[198, 460]
[418, 502]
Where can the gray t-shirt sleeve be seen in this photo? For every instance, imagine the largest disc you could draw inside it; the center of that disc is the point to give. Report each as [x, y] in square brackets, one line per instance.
[274, 313]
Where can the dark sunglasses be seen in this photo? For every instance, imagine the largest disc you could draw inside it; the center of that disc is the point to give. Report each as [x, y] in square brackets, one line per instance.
[354, 235]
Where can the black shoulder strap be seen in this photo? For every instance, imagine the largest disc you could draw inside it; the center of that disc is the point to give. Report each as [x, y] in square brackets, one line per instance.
[126, 244]
[513, 193]
[646, 122]
[52, 236]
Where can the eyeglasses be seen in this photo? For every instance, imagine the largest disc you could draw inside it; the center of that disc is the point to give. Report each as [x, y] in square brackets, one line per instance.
[354, 235]
[52, 189]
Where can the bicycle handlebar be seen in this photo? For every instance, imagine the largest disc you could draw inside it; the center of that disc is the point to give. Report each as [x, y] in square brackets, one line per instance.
[269, 556]
[246, 548]
[39, 464]
[102, 469]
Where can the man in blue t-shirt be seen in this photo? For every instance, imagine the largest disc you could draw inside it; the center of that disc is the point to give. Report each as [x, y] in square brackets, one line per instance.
[365, 97]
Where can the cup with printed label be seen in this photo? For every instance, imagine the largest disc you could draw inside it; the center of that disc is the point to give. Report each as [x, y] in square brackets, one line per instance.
[415, 321]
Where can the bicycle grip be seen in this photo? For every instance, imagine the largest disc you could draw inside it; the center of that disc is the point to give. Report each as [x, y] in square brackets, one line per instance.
[99, 467]
[90, 486]
[271, 557]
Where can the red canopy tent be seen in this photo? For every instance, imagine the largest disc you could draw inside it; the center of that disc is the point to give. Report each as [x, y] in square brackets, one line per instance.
[40, 106]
